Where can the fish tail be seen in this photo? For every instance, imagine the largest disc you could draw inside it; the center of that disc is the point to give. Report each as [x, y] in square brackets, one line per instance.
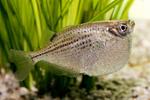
[23, 63]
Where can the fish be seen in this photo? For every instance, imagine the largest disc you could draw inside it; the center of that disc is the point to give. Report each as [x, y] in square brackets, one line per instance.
[93, 49]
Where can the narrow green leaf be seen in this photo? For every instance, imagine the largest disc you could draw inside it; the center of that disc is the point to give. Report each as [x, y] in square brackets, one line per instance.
[106, 9]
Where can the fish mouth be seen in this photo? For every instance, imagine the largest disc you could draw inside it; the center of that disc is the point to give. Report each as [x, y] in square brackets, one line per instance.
[131, 23]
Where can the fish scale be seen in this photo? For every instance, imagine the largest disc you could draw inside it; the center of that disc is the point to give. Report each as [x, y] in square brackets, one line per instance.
[92, 48]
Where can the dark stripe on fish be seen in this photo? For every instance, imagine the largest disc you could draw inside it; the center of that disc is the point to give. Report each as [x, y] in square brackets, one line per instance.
[63, 45]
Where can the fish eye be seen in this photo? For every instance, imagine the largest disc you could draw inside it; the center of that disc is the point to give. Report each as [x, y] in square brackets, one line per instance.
[123, 28]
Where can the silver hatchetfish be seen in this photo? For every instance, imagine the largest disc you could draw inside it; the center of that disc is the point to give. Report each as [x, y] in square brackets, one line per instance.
[93, 49]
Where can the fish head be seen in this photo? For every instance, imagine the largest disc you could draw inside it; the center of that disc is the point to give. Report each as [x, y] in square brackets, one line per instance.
[121, 28]
[115, 52]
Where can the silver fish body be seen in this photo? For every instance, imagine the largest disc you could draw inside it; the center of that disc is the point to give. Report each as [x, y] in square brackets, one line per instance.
[92, 48]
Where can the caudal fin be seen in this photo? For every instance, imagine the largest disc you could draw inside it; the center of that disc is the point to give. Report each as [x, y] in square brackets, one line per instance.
[23, 63]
